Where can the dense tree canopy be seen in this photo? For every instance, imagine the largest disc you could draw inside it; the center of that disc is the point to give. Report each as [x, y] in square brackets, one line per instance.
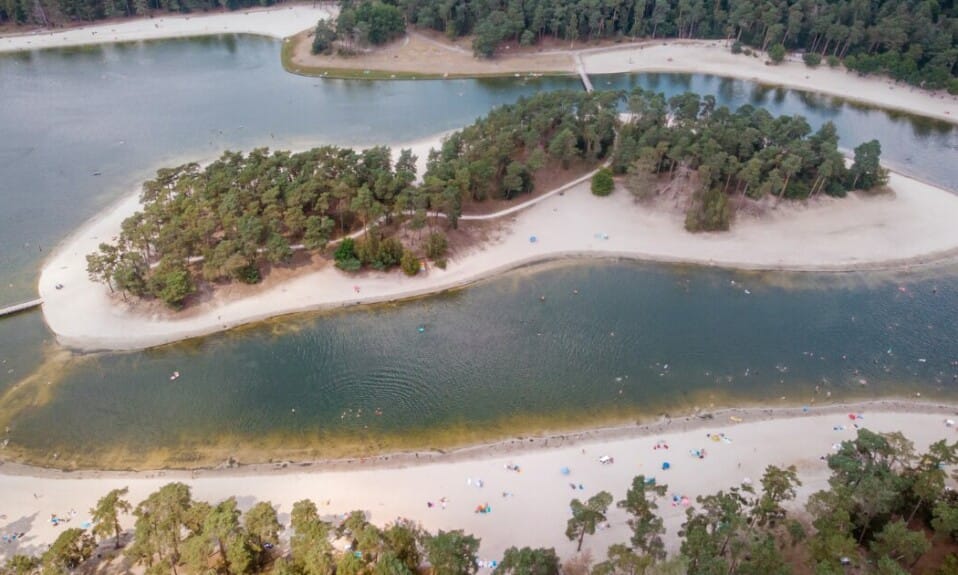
[913, 40]
[498, 156]
[747, 152]
[241, 214]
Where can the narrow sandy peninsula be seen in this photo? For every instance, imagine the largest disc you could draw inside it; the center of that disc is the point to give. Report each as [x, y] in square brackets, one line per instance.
[535, 509]
[913, 224]
[278, 22]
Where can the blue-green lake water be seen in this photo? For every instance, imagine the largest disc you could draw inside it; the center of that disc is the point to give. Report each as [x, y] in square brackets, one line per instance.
[81, 129]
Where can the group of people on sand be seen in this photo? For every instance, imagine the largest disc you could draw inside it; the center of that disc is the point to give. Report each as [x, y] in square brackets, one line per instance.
[13, 537]
[56, 520]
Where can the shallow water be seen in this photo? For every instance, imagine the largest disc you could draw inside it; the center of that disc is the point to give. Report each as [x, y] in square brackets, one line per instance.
[84, 127]
[635, 339]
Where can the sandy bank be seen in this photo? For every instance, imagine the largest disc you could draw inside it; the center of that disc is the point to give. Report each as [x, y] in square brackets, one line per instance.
[423, 54]
[278, 22]
[535, 511]
[712, 57]
[914, 224]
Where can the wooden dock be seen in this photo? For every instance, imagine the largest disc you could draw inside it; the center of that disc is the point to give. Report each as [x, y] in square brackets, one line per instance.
[10, 310]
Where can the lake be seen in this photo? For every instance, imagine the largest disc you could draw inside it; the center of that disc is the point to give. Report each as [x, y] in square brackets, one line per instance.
[83, 127]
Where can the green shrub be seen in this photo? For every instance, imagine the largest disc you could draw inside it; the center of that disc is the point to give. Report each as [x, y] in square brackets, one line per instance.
[171, 284]
[410, 263]
[350, 265]
[345, 256]
[323, 37]
[367, 250]
[390, 253]
[441, 263]
[812, 59]
[777, 53]
[436, 245]
[346, 250]
[602, 182]
[709, 212]
[833, 61]
[953, 87]
[249, 275]
[736, 47]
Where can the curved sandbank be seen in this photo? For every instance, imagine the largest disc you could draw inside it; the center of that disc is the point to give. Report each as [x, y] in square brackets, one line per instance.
[276, 22]
[536, 511]
[915, 224]
[713, 57]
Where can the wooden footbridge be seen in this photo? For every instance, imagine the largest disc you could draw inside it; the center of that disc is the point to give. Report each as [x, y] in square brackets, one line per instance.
[17, 308]
[580, 68]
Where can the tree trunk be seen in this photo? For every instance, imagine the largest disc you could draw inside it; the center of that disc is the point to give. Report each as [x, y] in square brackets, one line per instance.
[219, 543]
[43, 13]
[915, 510]
[581, 537]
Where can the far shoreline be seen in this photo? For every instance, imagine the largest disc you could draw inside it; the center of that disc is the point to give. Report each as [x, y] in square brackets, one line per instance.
[647, 56]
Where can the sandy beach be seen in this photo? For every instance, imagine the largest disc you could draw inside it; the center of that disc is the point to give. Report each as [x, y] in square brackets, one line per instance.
[278, 22]
[536, 507]
[914, 224]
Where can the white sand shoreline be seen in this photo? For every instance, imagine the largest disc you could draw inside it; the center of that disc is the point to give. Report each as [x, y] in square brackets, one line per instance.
[276, 22]
[401, 486]
[713, 58]
[913, 227]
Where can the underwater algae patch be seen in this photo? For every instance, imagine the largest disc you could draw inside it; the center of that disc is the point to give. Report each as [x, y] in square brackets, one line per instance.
[37, 389]
[194, 451]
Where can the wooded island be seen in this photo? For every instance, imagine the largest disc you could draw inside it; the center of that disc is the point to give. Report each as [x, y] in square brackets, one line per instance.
[242, 213]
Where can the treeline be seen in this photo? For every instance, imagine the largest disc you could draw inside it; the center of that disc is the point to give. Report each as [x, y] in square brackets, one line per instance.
[499, 156]
[243, 213]
[360, 23]
[52, 13]
[746, 152]
[884, 509]
[913, 40]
